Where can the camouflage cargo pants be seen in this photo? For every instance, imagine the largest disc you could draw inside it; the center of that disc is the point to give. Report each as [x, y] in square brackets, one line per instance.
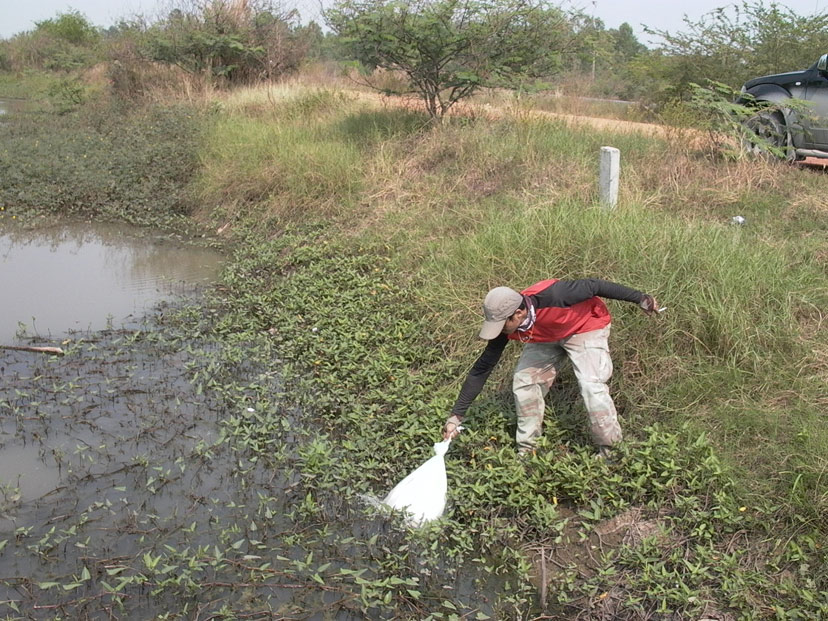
[536, 371]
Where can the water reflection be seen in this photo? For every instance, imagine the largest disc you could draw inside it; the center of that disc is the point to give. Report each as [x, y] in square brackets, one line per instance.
[8, 106]
[24, 474]
[89, 276]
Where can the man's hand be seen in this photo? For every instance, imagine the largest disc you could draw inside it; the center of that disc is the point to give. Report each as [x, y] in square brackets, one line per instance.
[452, 427]
[648, 304]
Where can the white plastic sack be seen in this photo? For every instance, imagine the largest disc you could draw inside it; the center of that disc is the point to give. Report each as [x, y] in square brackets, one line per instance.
[422, 494]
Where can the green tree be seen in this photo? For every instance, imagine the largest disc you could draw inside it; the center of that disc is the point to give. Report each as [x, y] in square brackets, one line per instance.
[625, 44]
[605, 56]
[313, 38]
[617, 76]
[448, 49]
[71, 27]
[235, 41]
[63, 43]
[594, 44]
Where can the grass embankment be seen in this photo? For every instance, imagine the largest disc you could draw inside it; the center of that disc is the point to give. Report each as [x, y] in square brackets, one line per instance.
[34, 85]
[740, 351]
[738, 357]
[365, 242]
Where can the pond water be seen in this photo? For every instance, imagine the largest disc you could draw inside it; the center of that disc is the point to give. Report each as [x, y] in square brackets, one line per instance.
[86, 277]
[131, 484]
[7, 106]
[83, 277]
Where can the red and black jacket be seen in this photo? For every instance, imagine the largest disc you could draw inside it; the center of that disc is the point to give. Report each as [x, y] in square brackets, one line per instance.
[563, 308]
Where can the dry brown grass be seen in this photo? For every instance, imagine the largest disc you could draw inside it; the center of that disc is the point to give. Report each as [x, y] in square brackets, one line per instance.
[144, 81]
[679, 180]
[444, 172]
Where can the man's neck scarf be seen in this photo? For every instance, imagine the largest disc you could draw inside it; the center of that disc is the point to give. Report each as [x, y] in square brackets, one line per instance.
[529, 322]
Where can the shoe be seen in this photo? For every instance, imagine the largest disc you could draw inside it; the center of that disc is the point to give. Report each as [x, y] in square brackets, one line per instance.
[604, 453]
[525, 453]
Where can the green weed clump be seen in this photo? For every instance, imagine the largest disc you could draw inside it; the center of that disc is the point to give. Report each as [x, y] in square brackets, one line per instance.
[285, 154]
[102, 163]
[29, 85]
[260, 166]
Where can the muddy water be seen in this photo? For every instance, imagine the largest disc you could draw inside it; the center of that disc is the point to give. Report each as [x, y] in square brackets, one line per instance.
[76, 279]
[126, 490]
[8, 106]
[127, 461]
[85, 277]
[114, 430]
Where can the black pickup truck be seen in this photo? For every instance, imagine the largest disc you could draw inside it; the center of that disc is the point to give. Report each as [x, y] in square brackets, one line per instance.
[798, 135]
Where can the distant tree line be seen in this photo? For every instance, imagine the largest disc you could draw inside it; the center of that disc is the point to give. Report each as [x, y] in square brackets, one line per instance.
[226, 42]
[444, 50]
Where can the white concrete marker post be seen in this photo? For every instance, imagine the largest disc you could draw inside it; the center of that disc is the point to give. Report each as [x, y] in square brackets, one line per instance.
[610, 173]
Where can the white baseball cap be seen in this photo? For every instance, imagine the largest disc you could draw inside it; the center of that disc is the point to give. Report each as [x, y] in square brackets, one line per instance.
[500, 304]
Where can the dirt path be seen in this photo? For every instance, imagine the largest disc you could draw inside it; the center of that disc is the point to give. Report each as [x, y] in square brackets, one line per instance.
[487, 111]
[691, 137]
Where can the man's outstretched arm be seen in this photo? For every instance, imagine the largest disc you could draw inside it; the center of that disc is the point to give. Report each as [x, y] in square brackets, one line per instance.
[569, 292]
[475, 380]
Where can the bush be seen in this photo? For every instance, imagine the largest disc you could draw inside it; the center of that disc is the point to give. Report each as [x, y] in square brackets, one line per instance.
[227, 42]
[731, 45]
[65, 43]
[71, 27]
[5, 61]
[132, 77]
[67, 94]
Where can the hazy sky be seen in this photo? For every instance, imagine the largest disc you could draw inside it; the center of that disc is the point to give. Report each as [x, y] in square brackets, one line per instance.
[20, 15]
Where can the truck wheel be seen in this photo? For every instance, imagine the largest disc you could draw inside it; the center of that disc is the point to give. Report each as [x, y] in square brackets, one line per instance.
[767, 136]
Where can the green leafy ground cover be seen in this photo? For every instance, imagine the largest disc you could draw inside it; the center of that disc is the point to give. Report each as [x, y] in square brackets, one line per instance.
[99, 163]
[334, 347]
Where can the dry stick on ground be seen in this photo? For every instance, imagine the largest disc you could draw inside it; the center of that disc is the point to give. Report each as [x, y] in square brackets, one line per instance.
[543, 578]
[55, 351]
